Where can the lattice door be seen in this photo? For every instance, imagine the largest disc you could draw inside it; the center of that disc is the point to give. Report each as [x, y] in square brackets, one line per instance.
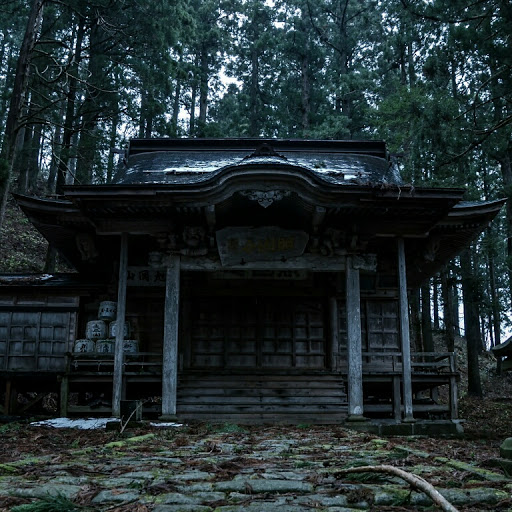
[258, 333]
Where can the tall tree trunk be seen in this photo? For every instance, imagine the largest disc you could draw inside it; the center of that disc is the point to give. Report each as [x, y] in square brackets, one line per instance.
[113, 144]
[16, 103]
[455, 304]
[93, 106]
[426, 320]
[69, 120]
[506, 172]
[447, 311]
[142, 117]
[254, 129]
[33, 158]
[192, 119]
[435, 304]
[495, 320]
[306, 93]
[203, 93]
[471, 322]
[415, 320]
[176, 106]
[21, 157]
[10, 75]
[56, 151]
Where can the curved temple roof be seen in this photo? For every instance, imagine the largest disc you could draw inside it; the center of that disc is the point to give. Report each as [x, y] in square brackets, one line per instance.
[171, 161]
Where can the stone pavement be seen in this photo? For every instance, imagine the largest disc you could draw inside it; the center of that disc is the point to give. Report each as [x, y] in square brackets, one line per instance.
[226, 468]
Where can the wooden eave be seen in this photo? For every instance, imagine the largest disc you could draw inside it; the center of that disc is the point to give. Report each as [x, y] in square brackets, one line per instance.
[387, 211]
[451, 236]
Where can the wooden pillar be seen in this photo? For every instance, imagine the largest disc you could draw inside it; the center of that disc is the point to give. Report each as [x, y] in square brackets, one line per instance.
[170, 345]
[64, 396]
[354, 343]
[404, 333]
[117, 385]
[10, 398]
[334, 331]
[454, 413]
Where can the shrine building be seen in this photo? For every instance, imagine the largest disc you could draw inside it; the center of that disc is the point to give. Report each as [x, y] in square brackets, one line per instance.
[257, 280]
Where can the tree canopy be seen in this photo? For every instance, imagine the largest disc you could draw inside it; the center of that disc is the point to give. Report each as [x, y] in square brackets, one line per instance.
[433, 79]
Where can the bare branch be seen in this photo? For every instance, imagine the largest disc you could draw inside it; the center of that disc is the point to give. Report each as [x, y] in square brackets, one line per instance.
[415, 481]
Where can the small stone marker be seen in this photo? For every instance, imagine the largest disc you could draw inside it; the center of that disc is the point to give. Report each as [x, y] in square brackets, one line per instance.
[505, 460]
[506, 448]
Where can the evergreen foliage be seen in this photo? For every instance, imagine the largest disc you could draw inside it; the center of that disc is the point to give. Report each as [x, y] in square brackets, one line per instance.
[433, 79]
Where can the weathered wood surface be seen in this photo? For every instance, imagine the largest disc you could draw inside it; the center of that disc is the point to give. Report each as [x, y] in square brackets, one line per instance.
[255, 395]
[354, 342]
[117, 384]
[258, 333]
[404, 332]
[36, 333]
[171, 330]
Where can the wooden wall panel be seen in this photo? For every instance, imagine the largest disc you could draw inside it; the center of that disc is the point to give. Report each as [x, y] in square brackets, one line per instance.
[258, 333]
[36, 334]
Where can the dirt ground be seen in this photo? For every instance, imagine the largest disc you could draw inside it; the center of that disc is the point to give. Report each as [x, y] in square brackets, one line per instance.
[488, 421]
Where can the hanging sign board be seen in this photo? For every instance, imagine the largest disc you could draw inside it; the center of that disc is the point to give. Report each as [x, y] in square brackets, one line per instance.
[239, 245]
[276, 275]
[146, 276]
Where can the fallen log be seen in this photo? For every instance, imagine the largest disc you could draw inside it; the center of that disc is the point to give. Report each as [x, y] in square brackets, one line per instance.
[415, 481]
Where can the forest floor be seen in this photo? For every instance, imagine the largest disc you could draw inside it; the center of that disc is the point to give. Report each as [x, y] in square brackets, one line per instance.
[207, 467]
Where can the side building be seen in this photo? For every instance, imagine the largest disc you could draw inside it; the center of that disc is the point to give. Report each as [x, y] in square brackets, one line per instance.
[257, 280]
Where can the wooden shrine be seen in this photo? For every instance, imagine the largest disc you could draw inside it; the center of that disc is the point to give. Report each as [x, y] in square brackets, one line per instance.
[261, 280]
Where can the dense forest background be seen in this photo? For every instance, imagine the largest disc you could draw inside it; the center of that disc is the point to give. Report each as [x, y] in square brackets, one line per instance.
[433, 79]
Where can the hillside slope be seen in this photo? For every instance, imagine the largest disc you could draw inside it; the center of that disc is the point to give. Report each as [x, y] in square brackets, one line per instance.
[22, 247]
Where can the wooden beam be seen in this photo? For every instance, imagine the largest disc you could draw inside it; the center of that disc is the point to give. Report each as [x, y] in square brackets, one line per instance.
[454, 413]
[170, 345]
[310, 262]
[64, 396]
[334, 334]
[404, 332]
[354, 343]
[117, 384]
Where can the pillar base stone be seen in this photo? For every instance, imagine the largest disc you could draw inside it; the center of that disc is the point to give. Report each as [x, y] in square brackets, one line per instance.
[168, 417]
[356, 418]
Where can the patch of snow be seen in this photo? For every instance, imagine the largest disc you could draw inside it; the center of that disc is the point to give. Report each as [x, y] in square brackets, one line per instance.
[163, 424]
[79, 423]
[91, 423]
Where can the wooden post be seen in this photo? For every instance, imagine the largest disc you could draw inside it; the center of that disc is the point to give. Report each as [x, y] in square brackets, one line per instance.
[8, 409]
[64, 396]
[404, 333]
[117, 384]
[454, 413]
[170, 345]
[334, 334]
[397, 413]
[354, 344]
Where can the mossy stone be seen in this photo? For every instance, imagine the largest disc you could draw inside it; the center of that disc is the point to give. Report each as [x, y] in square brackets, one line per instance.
[506, 448]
